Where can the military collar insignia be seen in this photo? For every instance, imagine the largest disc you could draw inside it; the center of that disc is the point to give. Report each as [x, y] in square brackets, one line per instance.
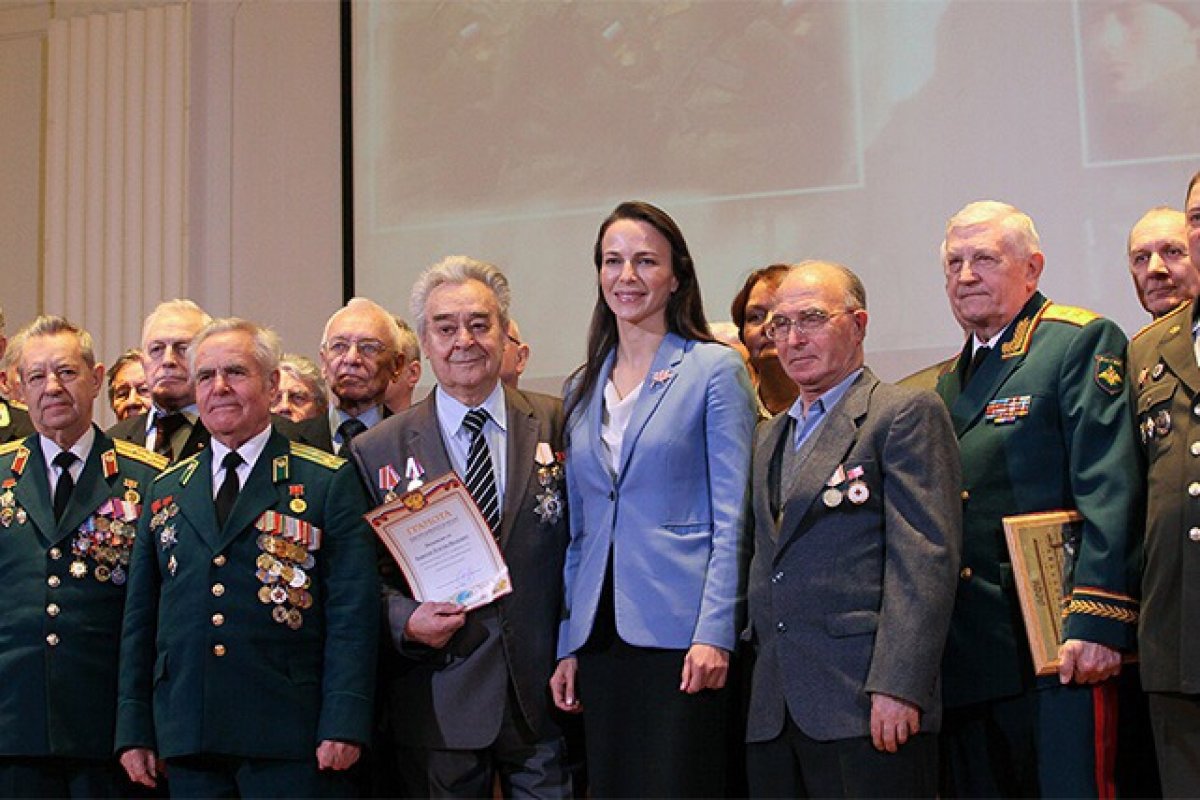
[108, 462]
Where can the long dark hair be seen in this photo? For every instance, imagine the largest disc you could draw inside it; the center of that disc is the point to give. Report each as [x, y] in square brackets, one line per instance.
[684, 312]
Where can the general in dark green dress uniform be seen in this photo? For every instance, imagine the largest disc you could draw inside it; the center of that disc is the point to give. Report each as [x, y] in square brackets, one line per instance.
[63, 575]
[250, 634]
[1039, 406]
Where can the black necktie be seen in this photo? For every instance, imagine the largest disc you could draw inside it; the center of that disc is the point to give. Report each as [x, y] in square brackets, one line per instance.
[350, 427]
[66, 484]
[481, 479]
[981, 353]
[165, 427]
[227, 494]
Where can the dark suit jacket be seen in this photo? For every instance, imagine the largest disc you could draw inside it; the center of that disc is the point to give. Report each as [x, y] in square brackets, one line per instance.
[1044, 424]
[205, 668]
[14, 423]
[1164, 383]
[61, 624]
[133, 429]
[854, 598]
[454, 698]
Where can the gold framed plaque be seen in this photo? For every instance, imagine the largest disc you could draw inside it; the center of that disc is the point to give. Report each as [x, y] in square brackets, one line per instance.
[1039, 560]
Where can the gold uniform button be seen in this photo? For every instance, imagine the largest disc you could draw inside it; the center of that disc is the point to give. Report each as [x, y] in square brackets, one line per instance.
[53, 581]
[55, 553]
[52, 640]
[1194, 534]
[53, 609]
[966, 495]
[965, 573]
[218, 589]
[1194, 488]
[218, 650]
[219, 561]
[218, 619]
[1196, 448]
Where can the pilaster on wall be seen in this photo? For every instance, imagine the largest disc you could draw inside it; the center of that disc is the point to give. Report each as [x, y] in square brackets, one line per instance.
[116, 177]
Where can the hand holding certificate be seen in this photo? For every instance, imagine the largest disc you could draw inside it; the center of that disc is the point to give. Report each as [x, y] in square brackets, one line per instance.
[442, 544]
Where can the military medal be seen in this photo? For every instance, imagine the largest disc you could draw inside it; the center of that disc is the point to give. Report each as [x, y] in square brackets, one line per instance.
[388, 480]
[1157, 372]
[858, 493]
[78, 569]
[415, 474]
[118, 576]
[6, 516]
[298, 504]
[131, 492]
[172, 565]
[167, 537]
[21, 516]
[1162, 422]
[832, 497]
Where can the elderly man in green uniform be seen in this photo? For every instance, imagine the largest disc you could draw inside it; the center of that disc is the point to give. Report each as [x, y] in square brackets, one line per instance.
[1165, 387]
[70, 498]
[248, 652]
[1038, 402]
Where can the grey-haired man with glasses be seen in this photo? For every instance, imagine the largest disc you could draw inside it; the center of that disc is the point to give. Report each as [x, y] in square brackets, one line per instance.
[857, 530]
[360, 355]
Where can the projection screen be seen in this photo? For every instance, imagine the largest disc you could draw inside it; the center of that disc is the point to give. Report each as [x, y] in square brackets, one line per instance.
[772, 130]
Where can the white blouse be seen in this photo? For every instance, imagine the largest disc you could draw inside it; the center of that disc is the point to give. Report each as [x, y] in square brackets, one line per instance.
[617, 411]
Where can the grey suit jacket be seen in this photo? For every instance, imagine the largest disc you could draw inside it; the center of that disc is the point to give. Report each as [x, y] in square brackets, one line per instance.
[454, 698]
[853, 597]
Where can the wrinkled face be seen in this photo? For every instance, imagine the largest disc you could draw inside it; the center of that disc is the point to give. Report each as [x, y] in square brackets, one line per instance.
[986, 280]
[59, 387]
[1159, 262]
[296, 400]
[357, 357]
[1136, 45]
[1193, 224]
[464, 339]
[636, 276]
[759, 306]
[232, 392]
[164, 355]
[130, 394]
[826, 342]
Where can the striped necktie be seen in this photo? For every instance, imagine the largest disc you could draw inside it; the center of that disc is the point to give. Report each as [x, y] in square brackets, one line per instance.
[481, 478]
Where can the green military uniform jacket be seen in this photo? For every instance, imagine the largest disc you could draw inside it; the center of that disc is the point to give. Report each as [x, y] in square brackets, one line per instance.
[1043, 425]
[1165, 387]
[256, 640]
[62, 590]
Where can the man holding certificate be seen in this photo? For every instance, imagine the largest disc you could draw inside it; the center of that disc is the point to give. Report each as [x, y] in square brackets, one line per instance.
[1038, 401]
[467, 689]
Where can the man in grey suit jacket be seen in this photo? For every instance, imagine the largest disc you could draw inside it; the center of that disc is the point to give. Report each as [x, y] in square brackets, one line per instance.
[857, 535]
[469, 692]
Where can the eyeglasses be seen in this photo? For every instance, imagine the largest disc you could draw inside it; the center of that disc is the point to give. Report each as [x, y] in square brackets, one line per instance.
[367, 348]
[779, 327]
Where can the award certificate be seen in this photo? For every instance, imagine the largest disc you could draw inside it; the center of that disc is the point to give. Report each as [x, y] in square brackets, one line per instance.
[443, 544]
[1037, 545]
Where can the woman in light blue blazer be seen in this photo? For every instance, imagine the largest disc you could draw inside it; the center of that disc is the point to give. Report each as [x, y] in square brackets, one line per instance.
[659, 427]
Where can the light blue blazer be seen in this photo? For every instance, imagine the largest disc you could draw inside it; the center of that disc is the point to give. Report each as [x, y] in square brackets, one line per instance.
[673, 516]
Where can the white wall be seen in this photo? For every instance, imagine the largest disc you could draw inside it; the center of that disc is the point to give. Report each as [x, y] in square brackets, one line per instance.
[264, 225]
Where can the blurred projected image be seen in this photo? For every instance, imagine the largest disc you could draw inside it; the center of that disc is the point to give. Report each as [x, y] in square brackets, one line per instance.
[1141, 74]
[511, 107]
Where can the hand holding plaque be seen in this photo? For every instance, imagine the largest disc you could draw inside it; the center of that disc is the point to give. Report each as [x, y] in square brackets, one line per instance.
[442, 544]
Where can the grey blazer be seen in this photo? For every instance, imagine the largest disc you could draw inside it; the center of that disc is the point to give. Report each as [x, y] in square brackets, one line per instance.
[453, 698]
[852, 595]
